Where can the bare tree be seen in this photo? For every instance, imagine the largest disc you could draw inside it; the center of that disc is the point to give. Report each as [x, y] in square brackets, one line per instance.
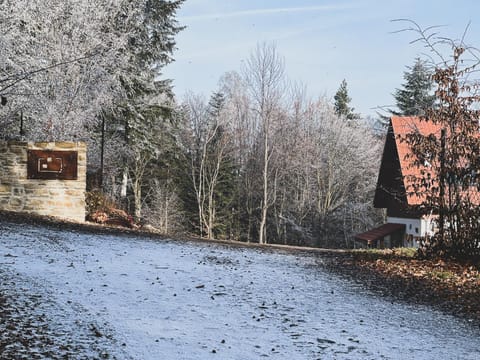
[264, 74]
[163, 210]
[304, 172]
[209, 144]
[446, 162]
[329, 166]
[242, 124]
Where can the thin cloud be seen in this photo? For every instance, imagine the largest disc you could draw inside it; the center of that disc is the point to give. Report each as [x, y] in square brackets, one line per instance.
[270, 11]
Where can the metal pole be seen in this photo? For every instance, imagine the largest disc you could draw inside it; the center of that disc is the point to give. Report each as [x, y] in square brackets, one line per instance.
[102, 149]
[22, 132]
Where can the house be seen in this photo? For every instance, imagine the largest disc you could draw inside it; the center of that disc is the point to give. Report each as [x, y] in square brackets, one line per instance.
[406, 224]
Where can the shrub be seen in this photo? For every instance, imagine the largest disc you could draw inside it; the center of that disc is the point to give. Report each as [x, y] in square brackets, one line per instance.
[103, 210]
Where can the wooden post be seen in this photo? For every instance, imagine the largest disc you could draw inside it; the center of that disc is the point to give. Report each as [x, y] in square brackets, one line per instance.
[441, 210]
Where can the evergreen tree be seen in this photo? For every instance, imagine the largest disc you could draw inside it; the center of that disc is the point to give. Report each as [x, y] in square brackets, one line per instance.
[143, 115]
[342, 101]
[415, 97]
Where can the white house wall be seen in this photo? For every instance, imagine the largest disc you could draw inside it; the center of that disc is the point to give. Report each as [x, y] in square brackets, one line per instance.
[415, 227]
[412, 226]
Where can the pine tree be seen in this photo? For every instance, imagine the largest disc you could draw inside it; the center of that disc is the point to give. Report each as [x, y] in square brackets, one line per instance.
[153, 28]
[147, 106]
[342, 101]
[415, 97]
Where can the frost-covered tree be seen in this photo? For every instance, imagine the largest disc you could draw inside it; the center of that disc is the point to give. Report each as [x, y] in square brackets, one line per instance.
[320, 174]
[265, 78]
[90, 70]
[63, 60]
[150, 47]
[208, 147]
[323, 185]
[58, 62]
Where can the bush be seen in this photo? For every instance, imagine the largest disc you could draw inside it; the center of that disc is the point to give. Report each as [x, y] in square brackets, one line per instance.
[103, 210]
[97, 201]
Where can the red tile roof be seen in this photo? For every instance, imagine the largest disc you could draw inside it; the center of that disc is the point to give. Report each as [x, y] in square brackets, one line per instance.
[403, 125]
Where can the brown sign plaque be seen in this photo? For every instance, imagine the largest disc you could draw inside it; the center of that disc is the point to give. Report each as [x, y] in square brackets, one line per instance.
[52, 165]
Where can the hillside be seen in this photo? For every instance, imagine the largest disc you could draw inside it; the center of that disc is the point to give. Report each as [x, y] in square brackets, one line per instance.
[83, 293]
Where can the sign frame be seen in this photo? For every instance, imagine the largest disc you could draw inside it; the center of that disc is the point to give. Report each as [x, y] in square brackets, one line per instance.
[52, 165]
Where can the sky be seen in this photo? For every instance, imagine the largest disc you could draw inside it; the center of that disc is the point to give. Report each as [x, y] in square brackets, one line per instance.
[322, 42]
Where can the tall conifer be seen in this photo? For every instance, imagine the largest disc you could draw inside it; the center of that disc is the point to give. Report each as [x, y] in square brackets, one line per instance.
[415, 96]
[342, 102]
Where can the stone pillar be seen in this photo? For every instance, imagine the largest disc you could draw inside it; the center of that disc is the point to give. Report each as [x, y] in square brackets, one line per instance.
[59, 198]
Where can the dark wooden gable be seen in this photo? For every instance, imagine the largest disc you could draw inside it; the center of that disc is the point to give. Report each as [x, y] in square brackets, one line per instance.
[390, 192]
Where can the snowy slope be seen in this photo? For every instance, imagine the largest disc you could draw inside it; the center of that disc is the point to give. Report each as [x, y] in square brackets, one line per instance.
[132, 297]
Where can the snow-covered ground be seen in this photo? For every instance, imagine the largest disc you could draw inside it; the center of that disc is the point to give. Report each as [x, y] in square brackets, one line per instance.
[129, 297]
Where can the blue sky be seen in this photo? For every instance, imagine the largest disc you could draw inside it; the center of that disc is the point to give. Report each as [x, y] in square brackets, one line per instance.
[323, 42]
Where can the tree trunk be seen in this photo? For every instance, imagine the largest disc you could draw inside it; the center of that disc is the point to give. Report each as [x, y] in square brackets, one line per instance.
[165, 225]
[263, 221]
[137, 194]
[123, 188]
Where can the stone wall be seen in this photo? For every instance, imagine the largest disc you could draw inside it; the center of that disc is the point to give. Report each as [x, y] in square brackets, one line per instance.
[60, 198]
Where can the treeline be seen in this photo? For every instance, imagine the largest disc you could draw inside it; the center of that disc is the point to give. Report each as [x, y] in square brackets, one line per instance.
[256, 161]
